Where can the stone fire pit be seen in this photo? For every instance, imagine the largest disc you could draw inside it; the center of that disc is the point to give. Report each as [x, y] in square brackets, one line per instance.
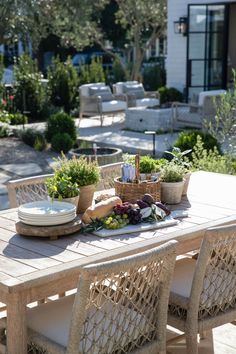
[103, 155]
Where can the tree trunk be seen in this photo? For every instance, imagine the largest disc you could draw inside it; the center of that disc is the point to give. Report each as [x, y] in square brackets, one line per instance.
[139, 54]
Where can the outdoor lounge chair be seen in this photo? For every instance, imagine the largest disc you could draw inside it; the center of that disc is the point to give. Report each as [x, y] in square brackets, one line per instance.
[193, 115]
[136, 95]
[203, 291]
[97, 99]
[120, 306]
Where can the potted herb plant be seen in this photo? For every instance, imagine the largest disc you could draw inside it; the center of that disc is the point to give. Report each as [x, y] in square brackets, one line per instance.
[172, 183]
[63, 189]
[149, 167]
[85, 174]
[179, 158]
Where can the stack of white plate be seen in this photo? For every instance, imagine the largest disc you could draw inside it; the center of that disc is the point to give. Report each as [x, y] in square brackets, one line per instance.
[46, 213]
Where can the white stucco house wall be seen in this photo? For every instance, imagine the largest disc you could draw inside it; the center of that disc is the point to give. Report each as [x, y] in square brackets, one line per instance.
[203, 58]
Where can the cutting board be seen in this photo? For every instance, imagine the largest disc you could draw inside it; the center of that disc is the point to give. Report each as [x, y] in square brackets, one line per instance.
[53, 232]
[169, 221]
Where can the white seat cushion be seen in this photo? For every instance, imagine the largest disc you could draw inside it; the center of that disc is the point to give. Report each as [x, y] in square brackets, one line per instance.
[203, 94]
[52, 320]
[113, 106]
[103, 91]
[147, 102]
[84, 89]
[183, 276]
[216, 287]
[120, 86]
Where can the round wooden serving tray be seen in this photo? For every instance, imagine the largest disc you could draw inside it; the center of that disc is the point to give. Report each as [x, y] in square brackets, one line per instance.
[53, 232]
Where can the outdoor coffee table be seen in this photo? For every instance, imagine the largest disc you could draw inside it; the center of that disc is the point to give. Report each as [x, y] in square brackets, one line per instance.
[142, 118]
[32, 269]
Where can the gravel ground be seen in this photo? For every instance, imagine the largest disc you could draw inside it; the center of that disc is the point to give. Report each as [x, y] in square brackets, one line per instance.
[13, 150]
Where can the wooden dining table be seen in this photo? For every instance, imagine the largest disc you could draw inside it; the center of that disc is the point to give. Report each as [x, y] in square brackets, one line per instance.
[32, 269]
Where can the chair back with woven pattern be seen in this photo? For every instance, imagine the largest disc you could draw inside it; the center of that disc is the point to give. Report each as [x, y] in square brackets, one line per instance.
[108, 173]
[27, 190]
[214, 283]
[121, 305]
[31, 189]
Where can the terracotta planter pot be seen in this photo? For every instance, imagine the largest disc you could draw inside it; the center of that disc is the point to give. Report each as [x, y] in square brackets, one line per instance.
[186, 183]
[85, 198]
[171, 193]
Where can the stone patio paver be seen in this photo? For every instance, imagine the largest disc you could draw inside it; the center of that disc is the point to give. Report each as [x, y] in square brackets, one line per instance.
[3, 179]
[222, 342]
[4, 202]
[22, 169]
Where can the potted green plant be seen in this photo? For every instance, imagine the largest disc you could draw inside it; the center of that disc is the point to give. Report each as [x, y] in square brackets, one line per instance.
[63, 189]
[179, 158]
[149, 167]
[85, 174]
[172, 183]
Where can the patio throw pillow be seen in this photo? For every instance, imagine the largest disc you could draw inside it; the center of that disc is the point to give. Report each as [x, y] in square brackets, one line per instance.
[103, 91]
[137, 90]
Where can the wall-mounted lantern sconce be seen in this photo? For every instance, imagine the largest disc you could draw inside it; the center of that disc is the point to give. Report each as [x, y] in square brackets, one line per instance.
[180, 26]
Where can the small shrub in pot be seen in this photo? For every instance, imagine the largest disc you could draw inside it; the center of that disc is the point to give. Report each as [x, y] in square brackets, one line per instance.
[61, 187]
[179, 157]
[85, 174]
[148, 165]
[172, 183]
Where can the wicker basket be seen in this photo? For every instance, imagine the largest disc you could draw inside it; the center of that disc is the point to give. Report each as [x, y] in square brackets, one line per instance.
[131, 192]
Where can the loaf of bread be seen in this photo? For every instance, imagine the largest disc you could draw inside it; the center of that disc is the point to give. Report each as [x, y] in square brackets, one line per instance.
[100, 210]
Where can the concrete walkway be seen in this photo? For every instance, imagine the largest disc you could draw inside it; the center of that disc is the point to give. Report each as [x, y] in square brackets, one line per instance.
[113, 134]
[18, 160]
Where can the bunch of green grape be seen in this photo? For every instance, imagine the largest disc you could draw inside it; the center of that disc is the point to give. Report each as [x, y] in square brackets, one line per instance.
[114, 221]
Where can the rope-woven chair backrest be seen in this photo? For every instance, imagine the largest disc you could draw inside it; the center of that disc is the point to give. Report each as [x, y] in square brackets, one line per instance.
[27, 190]
[214, 282]
[108, 173]
[121, 305]
[31, 189]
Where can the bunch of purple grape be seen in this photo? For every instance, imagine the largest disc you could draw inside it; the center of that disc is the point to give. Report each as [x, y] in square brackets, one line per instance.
[134, 216]
[127, 210]
[121, 209]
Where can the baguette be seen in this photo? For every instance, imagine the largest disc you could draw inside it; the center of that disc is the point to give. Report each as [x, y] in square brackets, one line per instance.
[100, 210]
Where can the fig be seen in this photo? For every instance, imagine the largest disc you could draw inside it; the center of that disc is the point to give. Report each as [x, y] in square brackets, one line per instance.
[163, 207]
[142, 204]
[147, 198]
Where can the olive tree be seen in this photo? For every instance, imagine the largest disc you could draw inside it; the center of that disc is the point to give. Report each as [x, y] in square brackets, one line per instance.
[144, 22]
[223, 125]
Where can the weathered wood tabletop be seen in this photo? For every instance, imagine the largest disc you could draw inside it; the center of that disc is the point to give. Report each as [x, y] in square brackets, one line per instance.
[32, 268]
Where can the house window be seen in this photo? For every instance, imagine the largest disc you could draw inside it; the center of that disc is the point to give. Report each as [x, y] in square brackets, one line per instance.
[206, 48]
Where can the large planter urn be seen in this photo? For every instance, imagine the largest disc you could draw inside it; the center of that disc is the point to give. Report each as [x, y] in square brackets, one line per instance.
[85, 198]
[171, 192]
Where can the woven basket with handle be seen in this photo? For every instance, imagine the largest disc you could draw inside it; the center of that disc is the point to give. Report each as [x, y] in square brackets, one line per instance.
[131, 192]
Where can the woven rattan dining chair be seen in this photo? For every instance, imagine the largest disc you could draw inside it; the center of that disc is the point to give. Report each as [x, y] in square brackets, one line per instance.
[203, 291]
[27, 190]
[31, 189]
[120, 307]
